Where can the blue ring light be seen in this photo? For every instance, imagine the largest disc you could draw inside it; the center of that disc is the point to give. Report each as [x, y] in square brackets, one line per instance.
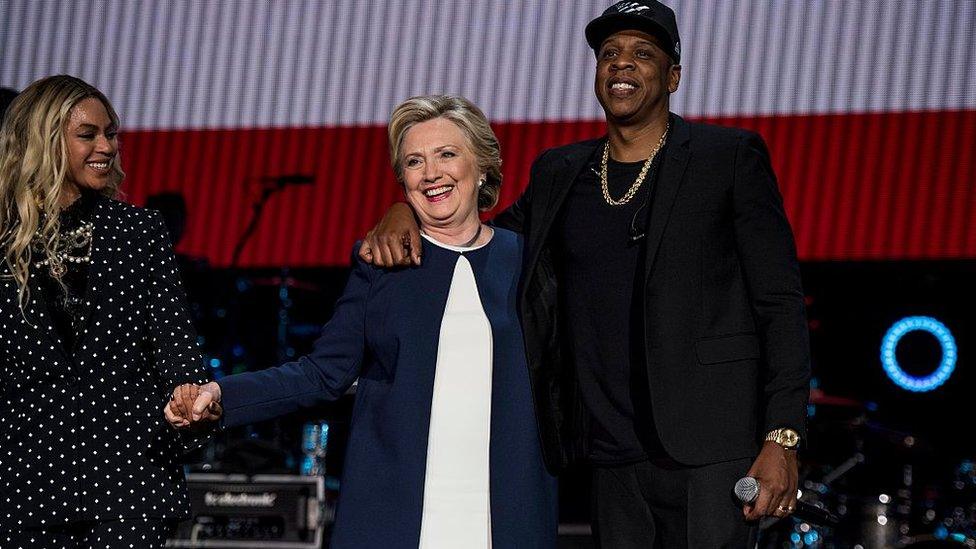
[915, 324]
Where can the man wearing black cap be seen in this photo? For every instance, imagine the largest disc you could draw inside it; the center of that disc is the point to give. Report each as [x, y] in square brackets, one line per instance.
[661, 304]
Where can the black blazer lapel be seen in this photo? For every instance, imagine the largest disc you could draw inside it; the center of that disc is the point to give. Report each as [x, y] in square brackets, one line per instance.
[562, 180]
[668, 183]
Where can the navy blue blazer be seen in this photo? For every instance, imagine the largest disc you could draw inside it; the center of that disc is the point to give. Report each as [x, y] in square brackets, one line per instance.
[384, 333]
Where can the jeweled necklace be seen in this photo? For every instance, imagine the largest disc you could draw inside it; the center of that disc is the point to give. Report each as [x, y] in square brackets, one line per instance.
[640, 177]
[69, 244]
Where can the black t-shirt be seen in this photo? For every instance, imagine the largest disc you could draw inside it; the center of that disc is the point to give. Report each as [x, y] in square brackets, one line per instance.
[600, 261]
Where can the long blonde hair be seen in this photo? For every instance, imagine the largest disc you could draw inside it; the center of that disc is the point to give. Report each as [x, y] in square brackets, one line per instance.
[34, 171]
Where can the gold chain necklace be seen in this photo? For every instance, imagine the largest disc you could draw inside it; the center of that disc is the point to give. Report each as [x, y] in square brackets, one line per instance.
[640, 177]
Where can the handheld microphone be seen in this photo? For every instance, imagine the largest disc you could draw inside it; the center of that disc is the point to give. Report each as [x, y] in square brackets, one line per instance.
[747, 491]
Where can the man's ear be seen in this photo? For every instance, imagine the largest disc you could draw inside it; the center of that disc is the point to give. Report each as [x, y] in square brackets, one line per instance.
[674, 78]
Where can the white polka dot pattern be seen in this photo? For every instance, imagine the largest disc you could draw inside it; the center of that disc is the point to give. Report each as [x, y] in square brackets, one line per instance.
[116, 534]
[82, 436]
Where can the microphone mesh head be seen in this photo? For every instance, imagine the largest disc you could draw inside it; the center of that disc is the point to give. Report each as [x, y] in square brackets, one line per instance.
[747, 489]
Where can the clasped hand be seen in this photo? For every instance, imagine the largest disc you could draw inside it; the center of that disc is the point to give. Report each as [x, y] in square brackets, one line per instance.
[192, 405]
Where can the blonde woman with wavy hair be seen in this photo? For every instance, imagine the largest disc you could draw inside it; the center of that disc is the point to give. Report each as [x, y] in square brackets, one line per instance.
[94, 335]
[38, 176]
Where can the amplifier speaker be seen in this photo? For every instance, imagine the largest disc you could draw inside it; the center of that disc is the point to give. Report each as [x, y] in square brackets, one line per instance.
[267, 511]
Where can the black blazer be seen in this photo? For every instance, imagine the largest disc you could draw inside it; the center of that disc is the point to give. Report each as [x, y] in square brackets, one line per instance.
[725, 327]
[82, 435]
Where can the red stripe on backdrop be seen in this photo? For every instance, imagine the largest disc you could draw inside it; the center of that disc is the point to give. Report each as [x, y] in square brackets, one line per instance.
[856, 187]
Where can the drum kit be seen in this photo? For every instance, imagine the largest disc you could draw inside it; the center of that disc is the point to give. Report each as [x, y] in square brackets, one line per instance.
[887, 488]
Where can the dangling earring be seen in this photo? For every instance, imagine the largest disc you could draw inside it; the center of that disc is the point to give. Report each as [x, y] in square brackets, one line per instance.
[481, 182]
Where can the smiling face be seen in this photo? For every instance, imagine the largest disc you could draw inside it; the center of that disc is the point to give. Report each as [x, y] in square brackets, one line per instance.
[440, 174]
[92, 144]
[634, 77]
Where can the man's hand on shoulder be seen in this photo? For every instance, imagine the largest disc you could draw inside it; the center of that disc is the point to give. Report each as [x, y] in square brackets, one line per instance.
[394, 241]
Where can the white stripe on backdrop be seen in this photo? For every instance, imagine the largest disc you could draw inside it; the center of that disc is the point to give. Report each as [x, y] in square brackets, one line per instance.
[266, 63]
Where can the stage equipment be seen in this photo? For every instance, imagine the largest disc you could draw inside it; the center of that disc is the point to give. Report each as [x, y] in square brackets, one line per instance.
[890, 362]
[315, 443]
[269, 186]
[893, 490]
[270, 511]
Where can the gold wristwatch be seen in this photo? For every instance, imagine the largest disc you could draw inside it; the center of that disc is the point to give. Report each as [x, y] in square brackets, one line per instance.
[787, 438]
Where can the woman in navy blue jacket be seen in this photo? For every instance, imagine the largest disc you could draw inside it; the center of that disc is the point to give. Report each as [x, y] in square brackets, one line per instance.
[444, 449]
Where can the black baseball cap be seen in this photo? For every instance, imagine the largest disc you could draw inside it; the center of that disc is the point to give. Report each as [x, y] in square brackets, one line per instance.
[649, 16]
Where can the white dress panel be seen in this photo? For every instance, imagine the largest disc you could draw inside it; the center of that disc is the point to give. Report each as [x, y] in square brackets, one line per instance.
[456, 488]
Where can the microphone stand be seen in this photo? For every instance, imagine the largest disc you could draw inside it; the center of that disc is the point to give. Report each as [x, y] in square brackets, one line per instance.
[256, 210]
[271, 185]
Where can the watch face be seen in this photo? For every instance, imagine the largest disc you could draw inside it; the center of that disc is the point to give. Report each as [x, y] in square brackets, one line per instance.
[789, 438]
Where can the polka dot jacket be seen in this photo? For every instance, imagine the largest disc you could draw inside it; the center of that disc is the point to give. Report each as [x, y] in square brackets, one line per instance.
[82, 434]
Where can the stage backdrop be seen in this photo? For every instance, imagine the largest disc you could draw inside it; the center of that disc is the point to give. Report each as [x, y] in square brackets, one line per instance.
[869, 107]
